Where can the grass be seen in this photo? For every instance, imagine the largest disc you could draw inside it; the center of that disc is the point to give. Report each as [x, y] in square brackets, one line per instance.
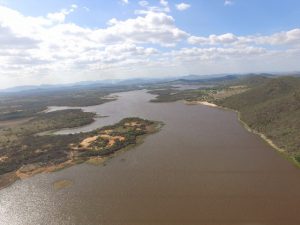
[297, 158]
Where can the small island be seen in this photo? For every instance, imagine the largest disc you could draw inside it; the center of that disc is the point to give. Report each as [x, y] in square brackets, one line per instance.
[48, 153]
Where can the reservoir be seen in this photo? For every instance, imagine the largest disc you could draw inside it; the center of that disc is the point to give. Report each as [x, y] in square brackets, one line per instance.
[202, 168]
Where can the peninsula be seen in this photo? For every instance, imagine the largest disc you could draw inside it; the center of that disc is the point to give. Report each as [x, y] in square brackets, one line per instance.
[28, 153]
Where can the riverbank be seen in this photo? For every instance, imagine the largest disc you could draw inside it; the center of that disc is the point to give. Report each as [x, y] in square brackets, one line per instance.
[270, 142]
[201, 103]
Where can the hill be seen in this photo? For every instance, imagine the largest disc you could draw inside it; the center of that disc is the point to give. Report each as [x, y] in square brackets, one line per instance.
[213, 80]
[271, 107]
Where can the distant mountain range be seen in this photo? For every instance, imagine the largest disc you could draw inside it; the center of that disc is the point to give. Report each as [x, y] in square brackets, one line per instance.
[84, 84]
[188, 79]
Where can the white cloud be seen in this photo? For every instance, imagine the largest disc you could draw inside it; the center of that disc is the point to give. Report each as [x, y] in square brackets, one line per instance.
[211, 54]
[182, 6]
[8, 40]
[154, 27]
[57, 17]
[125, 1]
[143, 3]
[163, 3]
[60, 17]
[48, 46]
[291, 37]
[50, 49]
[228, 2]
[86, 8]
[164, 7]
[213, 39]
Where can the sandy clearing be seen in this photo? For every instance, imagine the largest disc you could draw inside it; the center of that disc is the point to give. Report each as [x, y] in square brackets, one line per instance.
[132, 124]
[3, 158]
[201, 102]
[86, 142]
[112, 139]
[107, 131]
[31, 169]
[208, 104]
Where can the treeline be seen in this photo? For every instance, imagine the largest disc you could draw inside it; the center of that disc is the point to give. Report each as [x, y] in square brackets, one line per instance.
[172, 94]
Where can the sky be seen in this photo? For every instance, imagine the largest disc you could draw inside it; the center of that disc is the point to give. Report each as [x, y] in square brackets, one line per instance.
[66, 41]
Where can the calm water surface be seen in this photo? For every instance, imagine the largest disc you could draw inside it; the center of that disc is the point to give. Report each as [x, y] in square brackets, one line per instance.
[202, 168]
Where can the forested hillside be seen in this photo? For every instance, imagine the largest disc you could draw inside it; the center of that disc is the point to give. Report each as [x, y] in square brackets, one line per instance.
[271, 107]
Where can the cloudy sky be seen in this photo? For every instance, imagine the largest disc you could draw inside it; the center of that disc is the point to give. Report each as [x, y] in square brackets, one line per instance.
[63, 41]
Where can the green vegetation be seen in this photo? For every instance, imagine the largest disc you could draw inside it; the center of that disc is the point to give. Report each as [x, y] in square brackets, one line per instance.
[15, 106]
[268, 105]
[60, 119]
[172, 95]
[201, 94]
[30, 103]
[18, 143]
[209, 89]
[27, 143]
[112, 138]
[272, 108]
[24, 153]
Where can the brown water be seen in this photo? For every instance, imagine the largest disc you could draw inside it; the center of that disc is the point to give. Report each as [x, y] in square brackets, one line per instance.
[202, 168]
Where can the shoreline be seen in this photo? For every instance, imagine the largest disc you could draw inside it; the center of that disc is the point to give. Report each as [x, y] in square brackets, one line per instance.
[281, 151]
[245, 125]
[30, 170]
[54, 132]
[201, 103]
